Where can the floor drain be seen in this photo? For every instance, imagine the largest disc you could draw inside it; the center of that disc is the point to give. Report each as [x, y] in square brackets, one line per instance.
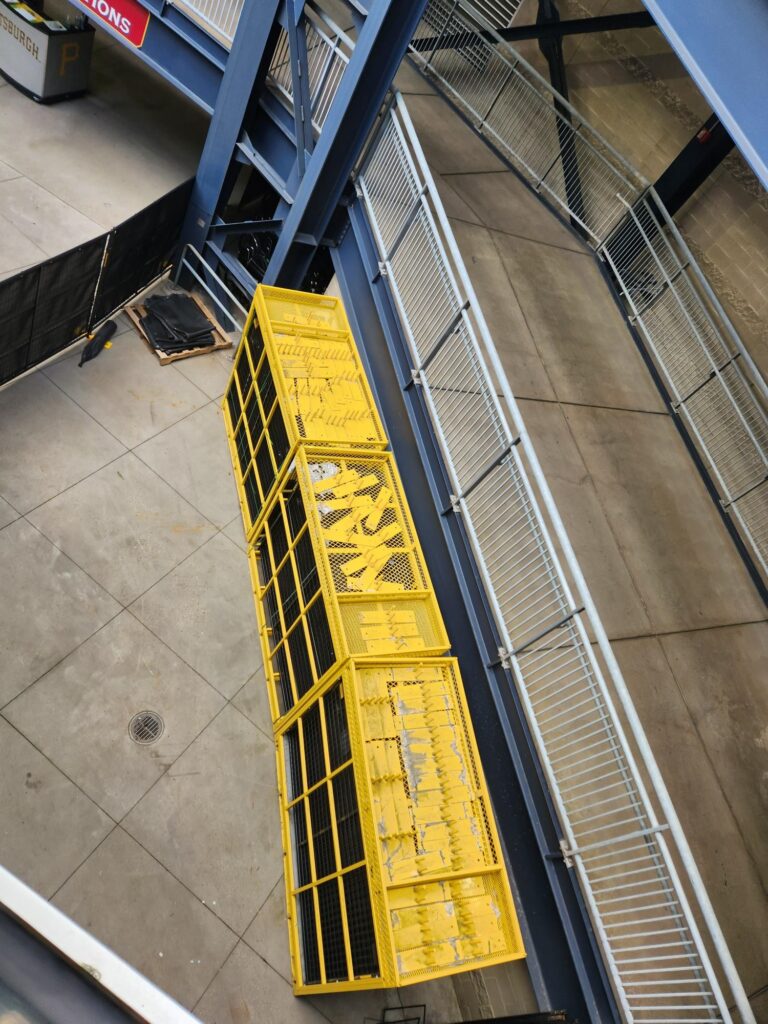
[146, 727]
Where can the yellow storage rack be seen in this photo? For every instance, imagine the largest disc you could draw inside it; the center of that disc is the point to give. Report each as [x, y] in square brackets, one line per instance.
[395, 873]
[338, 572]
[297, 380]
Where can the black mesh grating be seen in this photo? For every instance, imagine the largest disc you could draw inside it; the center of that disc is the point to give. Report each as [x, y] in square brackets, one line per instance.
[347, 818]
[310, 959]
[339, 749]
[301, 844]
[273, 616]
[307, 566]
[289, 597]
[253, 416]
[278, 436]
[252, 495]
[314, 762]
[277, 535]
[244, 375]
[334, 952]
[283, 680]
[303, 676]
[294, 507]
[233, 401]
[264, 467]
[322, 835]
[320, 637]
[362, 939]
[266, 387]
[293, 767]
[255, 343]
[243, 451]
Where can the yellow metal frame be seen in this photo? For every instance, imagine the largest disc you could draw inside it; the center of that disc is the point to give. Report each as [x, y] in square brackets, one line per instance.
[395, 810]
[305, 344]
[475, 913]
[371, 572]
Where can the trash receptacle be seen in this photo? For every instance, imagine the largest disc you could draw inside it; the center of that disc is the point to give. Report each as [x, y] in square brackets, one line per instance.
[42, 57]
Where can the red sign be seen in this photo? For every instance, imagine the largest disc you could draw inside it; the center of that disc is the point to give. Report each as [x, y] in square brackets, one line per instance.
[126, 17]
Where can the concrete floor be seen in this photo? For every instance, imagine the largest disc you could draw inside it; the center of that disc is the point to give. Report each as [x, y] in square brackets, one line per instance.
[72, 170]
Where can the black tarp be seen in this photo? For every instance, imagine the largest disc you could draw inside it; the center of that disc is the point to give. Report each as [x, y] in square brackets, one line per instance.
[46, 308]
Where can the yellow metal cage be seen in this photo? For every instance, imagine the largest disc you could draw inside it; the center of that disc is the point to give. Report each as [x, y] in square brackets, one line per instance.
[297, 379]
[338, 572]
[394, 871]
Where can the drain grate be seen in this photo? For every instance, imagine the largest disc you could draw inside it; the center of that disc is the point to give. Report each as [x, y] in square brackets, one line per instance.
[146, 727]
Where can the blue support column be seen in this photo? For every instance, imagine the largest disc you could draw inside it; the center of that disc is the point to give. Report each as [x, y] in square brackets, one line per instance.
[380, 47]
[243, 79]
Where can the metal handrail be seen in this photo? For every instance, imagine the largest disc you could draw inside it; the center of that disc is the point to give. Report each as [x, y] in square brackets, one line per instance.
[723, 406]
[328, 52]
[622, 835]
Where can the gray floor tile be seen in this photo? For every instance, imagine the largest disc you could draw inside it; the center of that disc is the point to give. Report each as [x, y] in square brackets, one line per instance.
[55, 607]
[131, 119]
[682, 561]
[124, 526]
[267, 934]
[503, 202]
[236, 532]
[128, 391]
[6, 171]
[136, 907]
[47, 221]
[204, 611]
[8, 513]
[506, 322]
[580, 334]
[17, 251]
[213, 819]
[47, 826]
[95, 692]
[247, 990]
[210, 372]
[253, 701]
[601, 557]
[48, 442]
[449, 152]
[193, 457]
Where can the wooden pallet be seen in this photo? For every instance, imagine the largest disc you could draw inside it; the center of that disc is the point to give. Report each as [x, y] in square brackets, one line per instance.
[220, 339]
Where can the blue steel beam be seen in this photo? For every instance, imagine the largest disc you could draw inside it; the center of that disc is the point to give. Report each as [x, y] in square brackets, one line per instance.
[723, 46]
[178, 49]
[242, 82]
[380, 47]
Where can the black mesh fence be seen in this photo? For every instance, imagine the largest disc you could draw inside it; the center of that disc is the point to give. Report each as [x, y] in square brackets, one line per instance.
[46, 308]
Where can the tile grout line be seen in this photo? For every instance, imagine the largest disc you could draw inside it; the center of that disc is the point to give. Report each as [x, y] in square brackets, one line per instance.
[512, 234]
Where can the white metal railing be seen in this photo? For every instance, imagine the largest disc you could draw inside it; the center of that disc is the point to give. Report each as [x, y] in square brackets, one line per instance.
[622, 835]
[220, 16]
[328, 52]
[716, 389]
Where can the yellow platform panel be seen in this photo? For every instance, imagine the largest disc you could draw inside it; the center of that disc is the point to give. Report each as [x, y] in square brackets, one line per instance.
[394, 869]
[338, 573]
[297, 379]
